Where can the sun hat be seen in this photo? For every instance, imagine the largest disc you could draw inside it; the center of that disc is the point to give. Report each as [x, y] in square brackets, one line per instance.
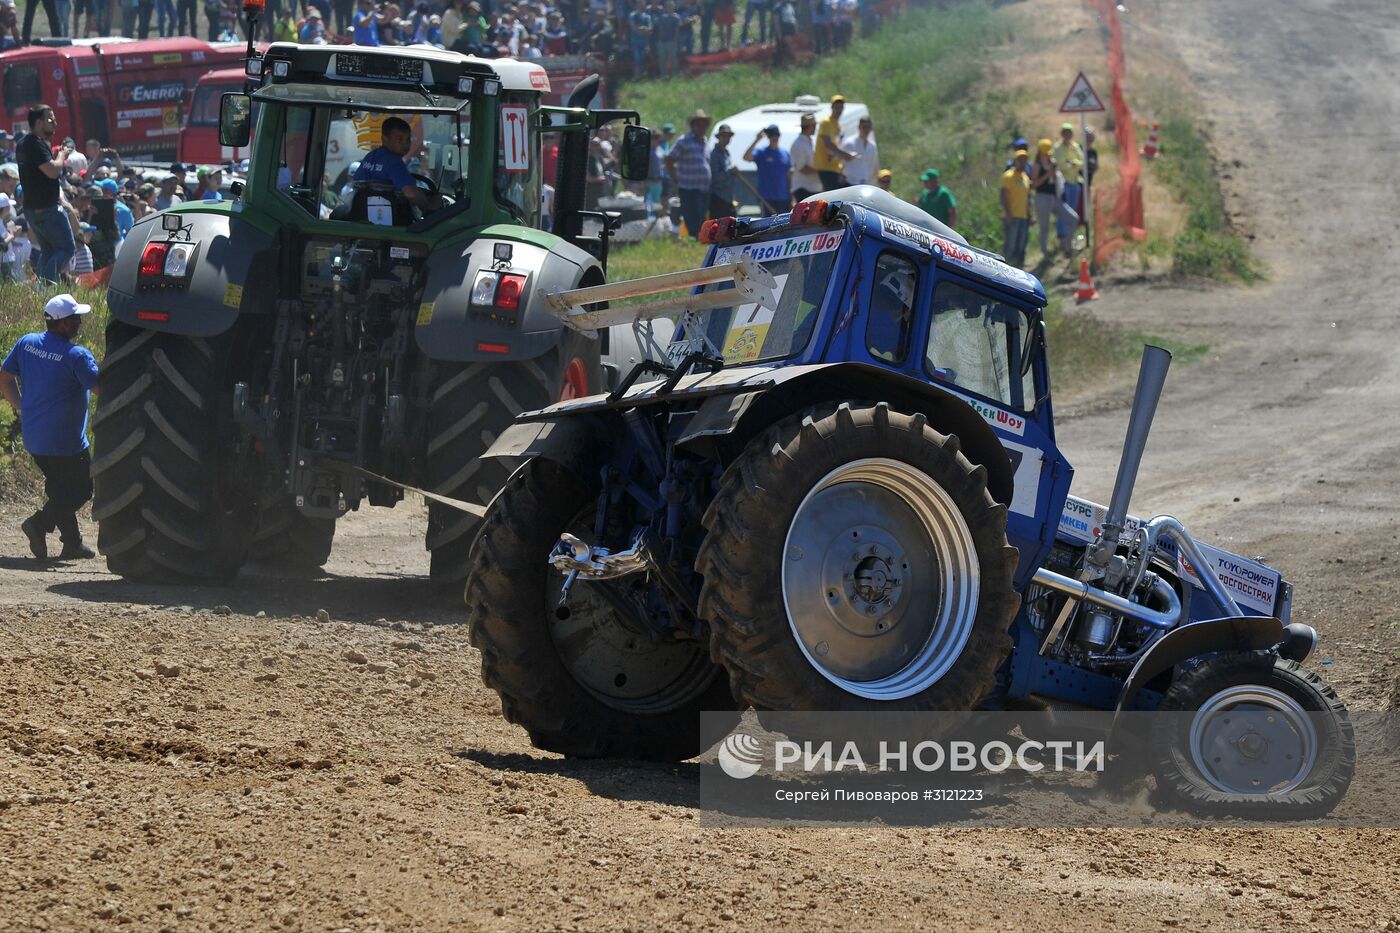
[62, 306]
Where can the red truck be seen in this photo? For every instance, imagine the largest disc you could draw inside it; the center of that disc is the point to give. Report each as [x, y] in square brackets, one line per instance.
[199, 135]
[128, 94]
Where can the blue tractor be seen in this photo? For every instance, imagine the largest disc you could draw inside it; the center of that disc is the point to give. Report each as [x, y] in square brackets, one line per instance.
[837, 487]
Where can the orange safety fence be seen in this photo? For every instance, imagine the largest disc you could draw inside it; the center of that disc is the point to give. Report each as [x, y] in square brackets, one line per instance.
[1123, 217]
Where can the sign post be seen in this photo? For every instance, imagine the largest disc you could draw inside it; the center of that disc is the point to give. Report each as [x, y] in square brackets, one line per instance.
[1081, 99]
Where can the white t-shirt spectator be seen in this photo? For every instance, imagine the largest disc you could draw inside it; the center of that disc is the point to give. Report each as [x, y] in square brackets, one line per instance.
[863, 169]
[81, 263]
[804, 176]
[19, 251]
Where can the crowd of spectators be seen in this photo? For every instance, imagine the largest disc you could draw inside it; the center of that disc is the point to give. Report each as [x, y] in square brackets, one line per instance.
[65, 211]
[652, 36]
[701, 173]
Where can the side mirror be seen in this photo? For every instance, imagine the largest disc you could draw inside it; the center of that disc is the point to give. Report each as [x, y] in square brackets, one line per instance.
[636, 152]
[235, 125]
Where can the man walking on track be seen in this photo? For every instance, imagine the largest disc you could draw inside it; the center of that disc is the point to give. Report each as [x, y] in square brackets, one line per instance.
[51, 398]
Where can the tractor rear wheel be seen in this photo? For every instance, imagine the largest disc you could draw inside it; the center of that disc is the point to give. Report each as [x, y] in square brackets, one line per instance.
[1254, 735]
[289, 539]
[170, 492]
[855, 561]
[600, 682]
[472, 405]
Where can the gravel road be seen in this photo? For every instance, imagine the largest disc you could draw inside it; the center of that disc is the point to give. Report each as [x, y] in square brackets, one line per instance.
[223, 759]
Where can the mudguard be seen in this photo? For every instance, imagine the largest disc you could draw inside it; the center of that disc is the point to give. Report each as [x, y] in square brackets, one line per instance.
[795, 387]
[451, 328]
[739, 402]
[570, 442]
[1233, 633]
[221, 284]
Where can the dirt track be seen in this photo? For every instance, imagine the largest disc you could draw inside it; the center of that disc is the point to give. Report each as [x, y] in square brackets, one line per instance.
[168, 767]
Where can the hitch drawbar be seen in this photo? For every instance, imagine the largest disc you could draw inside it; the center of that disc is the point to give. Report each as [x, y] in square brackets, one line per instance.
[753, 284]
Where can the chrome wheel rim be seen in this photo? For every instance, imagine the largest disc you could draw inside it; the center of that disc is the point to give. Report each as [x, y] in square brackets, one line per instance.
[1253, 739]
[880, 579]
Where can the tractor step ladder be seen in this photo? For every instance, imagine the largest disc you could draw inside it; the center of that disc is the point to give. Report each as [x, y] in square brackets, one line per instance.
[753, 284]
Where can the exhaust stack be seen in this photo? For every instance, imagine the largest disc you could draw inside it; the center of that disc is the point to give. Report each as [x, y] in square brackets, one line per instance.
[1152, 376]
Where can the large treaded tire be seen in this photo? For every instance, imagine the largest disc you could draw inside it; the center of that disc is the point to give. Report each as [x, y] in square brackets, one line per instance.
[472, 405]
[510, 595]
[1180, 778]
[743, 553]
[163, 496]
[289, 539]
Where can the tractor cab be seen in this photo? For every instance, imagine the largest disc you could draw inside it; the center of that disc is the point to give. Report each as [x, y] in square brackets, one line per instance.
[405, 138]
[859, 281]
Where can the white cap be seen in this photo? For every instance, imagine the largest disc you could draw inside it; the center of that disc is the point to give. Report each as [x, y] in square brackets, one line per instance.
[62, 306]
[77, 162]
[4, 201]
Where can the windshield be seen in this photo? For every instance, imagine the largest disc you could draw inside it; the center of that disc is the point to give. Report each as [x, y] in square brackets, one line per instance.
[801, 266]
[204, 109]
[318, 146]
[982, 345]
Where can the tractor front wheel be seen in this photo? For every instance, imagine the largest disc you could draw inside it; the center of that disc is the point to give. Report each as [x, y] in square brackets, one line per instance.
[1254, 735]
[288, 539]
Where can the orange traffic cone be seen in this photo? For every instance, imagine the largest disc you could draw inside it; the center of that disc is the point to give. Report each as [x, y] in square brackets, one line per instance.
[1150, 150]
[1086, 292]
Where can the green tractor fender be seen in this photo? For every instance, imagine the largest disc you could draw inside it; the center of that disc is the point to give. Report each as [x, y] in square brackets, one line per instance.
[219, 286]
[457, 325]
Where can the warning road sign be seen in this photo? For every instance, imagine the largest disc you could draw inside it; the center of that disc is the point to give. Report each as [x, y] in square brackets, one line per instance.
[1081, 97]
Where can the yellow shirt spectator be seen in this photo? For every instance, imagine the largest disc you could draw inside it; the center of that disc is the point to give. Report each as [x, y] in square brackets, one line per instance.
[1016, 185]
[1070, 159]
[822, 158]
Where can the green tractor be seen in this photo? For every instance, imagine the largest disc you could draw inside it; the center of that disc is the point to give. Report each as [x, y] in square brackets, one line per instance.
[328, 336]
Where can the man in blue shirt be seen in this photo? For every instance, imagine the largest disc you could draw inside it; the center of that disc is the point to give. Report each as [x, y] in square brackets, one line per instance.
[774, 171]
[385, 165]
[367, 24]
[46, 379]
[120, 211]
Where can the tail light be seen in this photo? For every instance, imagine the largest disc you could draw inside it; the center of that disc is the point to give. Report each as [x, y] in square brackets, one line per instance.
[718, 230]
[498, 289]
[808, 212]
[508, 292]
[153, 259]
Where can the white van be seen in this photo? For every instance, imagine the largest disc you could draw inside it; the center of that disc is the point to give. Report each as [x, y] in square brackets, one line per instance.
[788, 116]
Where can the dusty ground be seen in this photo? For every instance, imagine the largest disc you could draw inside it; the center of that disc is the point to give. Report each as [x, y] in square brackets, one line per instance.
[166, 766]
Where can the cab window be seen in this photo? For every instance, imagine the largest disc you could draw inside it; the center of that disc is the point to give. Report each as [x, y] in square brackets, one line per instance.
[519, 171]
[890, 320]
[22, 87]
[981, 344]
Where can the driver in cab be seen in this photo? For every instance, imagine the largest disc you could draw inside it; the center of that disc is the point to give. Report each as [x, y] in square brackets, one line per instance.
[385, 165]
